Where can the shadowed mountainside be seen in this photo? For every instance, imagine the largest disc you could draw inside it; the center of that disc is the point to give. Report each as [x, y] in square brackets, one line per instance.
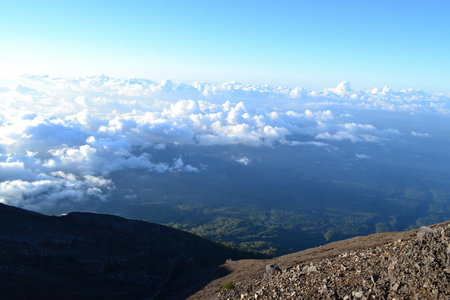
[94, 256]
[86, 255]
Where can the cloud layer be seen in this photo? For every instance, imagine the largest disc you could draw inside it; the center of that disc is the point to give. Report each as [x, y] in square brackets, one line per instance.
[62, 138]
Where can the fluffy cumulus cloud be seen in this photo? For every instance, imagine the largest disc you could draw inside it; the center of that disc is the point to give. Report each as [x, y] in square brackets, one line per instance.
[62, 138]
[356, 133]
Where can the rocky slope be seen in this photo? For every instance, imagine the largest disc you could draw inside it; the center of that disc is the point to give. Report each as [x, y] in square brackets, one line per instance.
[93, 256]
[409, 265]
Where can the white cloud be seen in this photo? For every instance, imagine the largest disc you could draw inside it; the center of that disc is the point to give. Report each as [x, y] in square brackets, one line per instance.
[98, 181]
[243, 160]
[49, 192]
[342, 89]
[355, 133]
[178, 163]
[64, 137]
[103, 95]
[420, 134]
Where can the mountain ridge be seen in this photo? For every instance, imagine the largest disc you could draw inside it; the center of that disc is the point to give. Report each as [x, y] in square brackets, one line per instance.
[87, 255]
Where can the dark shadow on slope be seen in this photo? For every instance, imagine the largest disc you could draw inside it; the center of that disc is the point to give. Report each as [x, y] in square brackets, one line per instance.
[93, 256]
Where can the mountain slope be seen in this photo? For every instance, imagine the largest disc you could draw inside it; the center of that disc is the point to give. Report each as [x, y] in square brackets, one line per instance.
[86, 255]
[394, 265]
[94, 256]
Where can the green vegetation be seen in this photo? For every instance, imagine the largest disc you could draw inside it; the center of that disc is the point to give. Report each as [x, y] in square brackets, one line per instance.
[382, 227]
[272, 230]
[274, 212]
[228, 285]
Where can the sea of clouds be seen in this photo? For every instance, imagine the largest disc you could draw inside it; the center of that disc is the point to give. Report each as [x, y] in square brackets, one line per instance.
[62, 138]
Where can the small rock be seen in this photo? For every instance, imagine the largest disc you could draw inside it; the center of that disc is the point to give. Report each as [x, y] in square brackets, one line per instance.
[272, 269]
[423, 231]
[309, 269]
[395, 287]
[323, 289]
[357, 294]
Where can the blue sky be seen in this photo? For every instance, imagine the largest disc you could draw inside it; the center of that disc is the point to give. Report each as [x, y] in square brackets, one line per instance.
[316, 44]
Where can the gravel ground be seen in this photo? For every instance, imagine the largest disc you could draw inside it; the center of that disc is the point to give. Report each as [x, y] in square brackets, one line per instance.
[399, 265]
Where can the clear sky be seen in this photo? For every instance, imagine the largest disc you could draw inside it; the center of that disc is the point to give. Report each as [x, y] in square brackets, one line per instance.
[316, 44]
